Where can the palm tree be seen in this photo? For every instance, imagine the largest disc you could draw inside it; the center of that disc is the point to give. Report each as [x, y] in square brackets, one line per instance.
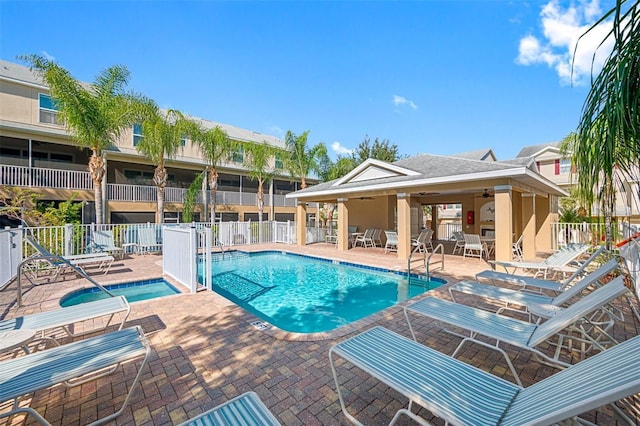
[95, 116]
[257, 162]
[300, 160]
[216, 148]
[162, 133]
[608, 136]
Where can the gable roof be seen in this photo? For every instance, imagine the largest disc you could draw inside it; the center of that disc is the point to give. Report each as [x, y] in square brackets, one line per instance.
[533, 150]
[485, 154]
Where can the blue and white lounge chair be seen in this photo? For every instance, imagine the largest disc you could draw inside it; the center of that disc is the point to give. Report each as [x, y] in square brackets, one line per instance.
[244, 410]
[64, 317]
[525, 299]
[521, 334]
[461, 394]
[72, 364]
[103, 241]
[559, 259]
[61, 263]
[537, 284]
[147, 240]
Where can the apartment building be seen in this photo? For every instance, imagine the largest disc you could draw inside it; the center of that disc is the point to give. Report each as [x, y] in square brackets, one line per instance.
[37, 152]
[557, 168]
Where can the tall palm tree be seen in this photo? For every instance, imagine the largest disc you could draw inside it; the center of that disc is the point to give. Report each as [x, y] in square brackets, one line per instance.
[95, 116]
[301, 161]
[257, 162]
[216, 148]
[162, 134]
[608, 136]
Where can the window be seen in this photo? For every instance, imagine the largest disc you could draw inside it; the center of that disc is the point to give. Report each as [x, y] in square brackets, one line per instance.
[183, 141]
[279, 164]
[48, 109]
[61, 158]
[137, 134]
[565, 166]
[238, 155]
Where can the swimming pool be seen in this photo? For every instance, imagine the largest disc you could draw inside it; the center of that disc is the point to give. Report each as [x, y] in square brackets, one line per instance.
[307, 295]
[133, 291]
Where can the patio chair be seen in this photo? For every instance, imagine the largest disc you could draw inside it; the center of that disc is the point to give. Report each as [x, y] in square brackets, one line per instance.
[60, 264]
[461, 394]
[537, 284]
[245, 409]
[147, 240]
[65, 317]
[423, 242]
[558, 260]
[392, 241]
[516, 249]
[459, 246]
[72, 364]
[542, 305]
[366, 239]
[103, 241]
[377, 237]
[473, 247]
[521, 334]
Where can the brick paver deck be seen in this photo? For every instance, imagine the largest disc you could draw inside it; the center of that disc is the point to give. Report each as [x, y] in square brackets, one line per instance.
[205, 351]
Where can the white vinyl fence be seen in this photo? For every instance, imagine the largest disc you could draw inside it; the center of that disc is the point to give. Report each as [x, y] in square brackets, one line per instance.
[180, 255]
[10, 255]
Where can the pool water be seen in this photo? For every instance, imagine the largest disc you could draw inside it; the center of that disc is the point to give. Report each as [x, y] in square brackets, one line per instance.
[307, 295]
[132, 291]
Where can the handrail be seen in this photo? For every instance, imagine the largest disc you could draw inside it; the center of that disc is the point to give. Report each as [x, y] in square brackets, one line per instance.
[61, 259]
[411, 255]
[428, 261]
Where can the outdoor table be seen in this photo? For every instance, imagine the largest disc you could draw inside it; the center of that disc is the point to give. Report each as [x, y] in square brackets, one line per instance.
[12, 339]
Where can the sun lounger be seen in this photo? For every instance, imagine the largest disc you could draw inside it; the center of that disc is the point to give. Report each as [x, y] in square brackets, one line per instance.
[147, 240]
[559, 259]
[525, 299]
[244, 410]
[526, 282]
[521, 334]
[64, 317]
[462, 394]
[59, 264]
[72, 364]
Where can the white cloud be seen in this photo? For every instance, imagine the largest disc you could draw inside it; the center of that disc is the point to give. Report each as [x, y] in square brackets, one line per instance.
[561, 31]
[402, 101]
[48, 56]
[339, 149]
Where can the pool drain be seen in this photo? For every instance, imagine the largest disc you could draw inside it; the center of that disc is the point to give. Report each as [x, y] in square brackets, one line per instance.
[259, 325]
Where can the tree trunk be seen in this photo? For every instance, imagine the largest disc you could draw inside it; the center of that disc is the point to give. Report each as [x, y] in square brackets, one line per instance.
[213, 187]
[96, 170]
[260, 207]
[160, 179]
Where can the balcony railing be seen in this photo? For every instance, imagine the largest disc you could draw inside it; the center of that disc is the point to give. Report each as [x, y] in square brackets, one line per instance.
[67, 179]
[44, 178]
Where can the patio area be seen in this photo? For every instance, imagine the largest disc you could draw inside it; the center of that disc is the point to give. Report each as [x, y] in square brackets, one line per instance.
[205, 351]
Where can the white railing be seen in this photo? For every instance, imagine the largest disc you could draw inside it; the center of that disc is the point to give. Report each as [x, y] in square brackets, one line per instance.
[42, 177]
[589, 233]
[124, 192]
[446, 230]
[10, 255]
[180, 259]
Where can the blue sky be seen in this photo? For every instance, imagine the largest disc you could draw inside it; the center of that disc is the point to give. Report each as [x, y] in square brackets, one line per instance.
[437, 77]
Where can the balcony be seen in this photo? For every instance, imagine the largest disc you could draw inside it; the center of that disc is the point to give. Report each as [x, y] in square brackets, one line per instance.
[37, 177]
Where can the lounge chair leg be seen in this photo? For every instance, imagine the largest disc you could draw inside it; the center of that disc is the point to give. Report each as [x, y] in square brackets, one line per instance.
[340, 397]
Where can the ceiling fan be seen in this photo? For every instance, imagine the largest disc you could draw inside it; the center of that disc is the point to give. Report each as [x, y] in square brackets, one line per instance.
[485, 194]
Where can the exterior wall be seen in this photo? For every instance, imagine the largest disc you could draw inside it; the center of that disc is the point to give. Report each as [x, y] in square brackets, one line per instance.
[360, 213]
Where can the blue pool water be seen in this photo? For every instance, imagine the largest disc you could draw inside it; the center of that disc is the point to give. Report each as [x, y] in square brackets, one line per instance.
[132, 291]
[307, 295]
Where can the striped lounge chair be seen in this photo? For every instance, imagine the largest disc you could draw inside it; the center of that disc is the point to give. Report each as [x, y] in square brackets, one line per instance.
[244, 410]
[520, 334]
[462, 394]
